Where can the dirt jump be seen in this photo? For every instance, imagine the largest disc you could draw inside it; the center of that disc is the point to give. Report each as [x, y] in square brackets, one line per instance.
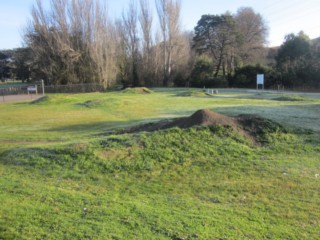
[251, 126]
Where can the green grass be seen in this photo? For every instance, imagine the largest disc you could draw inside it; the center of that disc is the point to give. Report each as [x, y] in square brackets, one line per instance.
[63, 154]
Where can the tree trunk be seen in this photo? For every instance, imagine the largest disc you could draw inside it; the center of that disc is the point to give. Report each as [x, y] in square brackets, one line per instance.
[218, 66]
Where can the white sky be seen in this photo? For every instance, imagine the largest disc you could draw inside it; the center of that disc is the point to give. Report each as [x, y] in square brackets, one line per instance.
[282, 16]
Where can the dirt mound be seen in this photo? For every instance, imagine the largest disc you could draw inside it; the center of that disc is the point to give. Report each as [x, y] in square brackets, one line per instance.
[253, 127]
[137, 90]
[40, 100]
[258, 126]
[192, 94]
[292, 98]
[203, 117]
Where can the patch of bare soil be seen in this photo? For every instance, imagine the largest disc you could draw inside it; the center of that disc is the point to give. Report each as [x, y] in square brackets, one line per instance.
[251, 126]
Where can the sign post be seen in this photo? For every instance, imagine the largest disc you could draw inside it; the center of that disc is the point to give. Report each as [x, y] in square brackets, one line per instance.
[260, 80]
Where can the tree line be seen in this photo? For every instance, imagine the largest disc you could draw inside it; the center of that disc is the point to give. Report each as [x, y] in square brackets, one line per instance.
[77, 42]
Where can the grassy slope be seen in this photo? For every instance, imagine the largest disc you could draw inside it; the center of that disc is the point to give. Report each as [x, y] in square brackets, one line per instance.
[85, 114]
[174, 184]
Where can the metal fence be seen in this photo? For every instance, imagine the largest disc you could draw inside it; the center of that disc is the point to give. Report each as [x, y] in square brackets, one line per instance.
[75, 88]
[17, 90]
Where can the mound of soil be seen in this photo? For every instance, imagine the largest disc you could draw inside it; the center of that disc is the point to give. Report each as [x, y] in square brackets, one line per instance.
[257, 126]
[92, 103]
[292, 98]
[137, 90]
[192, 94]
[40, 100]
[252, 127]
[203, 117]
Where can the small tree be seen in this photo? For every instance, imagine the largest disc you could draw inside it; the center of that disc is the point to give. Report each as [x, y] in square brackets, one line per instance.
[202, 71]
[216, 36]
[246, 77]
[293, 58]
[23, 63]
[252, 33]
[294, 47]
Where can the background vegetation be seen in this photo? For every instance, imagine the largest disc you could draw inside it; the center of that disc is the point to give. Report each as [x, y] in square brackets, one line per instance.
[77, 42]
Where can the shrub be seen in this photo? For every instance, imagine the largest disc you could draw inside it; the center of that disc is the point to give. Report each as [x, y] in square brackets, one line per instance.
[202, 72]
[246, 76]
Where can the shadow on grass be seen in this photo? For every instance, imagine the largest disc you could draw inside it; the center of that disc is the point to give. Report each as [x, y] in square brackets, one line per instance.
[89, 127]
[102, 128]
[301, 115]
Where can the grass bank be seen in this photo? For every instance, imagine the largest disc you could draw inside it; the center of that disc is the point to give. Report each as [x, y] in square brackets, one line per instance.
[67, 173]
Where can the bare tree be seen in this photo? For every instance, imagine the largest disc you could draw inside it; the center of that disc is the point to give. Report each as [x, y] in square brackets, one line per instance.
[129, 39]
[72, 42]
[103, 47]
[183, 59]
[75, 42]
[253, 32]
[157, 54]
[148, 59]
[122, 60]
[169, 17]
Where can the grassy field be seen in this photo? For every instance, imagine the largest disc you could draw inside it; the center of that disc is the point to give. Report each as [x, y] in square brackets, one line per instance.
[67, 172]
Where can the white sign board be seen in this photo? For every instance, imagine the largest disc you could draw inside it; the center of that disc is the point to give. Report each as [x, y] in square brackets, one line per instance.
[31, 89]
[260, 79]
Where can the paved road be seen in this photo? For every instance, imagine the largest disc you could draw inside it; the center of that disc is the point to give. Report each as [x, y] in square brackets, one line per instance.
[14, 98]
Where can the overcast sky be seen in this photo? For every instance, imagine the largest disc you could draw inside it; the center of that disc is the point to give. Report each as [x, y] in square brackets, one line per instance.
[282, 16]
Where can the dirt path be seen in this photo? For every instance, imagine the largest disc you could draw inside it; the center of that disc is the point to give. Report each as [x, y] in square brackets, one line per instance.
[14, 98]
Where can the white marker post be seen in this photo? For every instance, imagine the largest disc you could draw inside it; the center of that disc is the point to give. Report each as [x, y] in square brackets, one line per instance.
[260, 80]
[42, 84]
